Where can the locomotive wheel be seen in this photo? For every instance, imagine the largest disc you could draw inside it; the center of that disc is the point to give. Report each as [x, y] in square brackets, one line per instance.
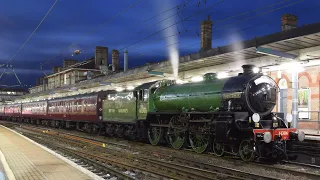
[177, 132]
[155, 134]
[218, 149]
[199, 142]
[246, 150]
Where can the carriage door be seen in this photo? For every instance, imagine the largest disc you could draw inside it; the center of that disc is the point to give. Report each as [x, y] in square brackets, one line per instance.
[142, 103]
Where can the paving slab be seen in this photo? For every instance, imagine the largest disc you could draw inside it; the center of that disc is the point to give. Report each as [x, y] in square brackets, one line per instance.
[29, 161]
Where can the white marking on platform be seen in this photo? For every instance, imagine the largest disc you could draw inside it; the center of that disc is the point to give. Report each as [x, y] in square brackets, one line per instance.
[85, 171]
[6, 167]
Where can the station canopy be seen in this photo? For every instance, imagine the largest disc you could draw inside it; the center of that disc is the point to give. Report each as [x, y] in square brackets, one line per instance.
[303, 41]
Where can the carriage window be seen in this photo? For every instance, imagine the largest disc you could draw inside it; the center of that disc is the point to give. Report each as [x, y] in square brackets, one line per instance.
[145, 95]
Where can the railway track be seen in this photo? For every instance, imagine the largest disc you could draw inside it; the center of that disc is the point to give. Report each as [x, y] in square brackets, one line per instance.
[162, 168]
[176, 161]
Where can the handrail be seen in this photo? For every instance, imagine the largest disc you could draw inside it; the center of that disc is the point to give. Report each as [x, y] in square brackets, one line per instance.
[318, 121]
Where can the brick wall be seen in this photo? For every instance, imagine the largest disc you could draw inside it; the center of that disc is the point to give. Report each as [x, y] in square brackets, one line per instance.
[307, 79]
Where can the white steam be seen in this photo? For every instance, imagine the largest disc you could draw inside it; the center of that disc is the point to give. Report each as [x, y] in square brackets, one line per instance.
[237, 45]
[171, 42]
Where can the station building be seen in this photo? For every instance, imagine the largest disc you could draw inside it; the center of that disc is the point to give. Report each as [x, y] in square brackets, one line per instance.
[303, 42]
[10, 94]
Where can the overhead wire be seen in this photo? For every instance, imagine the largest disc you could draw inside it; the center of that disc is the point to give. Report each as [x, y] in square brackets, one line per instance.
[219, 2]
[95, 29]
[231, 17]
[143, 21]
[165, 11]
[252, 26]
[28, 39]
[223, 19]
[74, 16]
[230, 24]
[48, 12]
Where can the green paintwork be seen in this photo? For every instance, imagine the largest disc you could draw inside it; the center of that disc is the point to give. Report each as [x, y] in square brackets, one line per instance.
[119, 107]
[142, 109]
[201, 96]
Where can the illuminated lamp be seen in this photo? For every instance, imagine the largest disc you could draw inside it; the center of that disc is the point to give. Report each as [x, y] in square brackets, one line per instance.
[197, 79]
[222, 75]
[119, 89]
[256, 70]
[130, 88]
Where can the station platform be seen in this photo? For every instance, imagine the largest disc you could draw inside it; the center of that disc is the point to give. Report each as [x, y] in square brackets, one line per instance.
[311, 134]
[24, 159]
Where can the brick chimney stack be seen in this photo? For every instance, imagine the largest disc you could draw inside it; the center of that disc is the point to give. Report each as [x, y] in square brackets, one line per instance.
[206, 34]
[289, 21]
[69, 62]
[115, 60]
[101, 56]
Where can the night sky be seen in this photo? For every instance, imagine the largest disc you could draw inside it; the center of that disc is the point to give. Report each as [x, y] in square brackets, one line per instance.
[88, 23]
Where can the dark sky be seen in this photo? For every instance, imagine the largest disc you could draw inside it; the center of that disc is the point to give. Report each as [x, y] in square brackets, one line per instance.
[88, 23]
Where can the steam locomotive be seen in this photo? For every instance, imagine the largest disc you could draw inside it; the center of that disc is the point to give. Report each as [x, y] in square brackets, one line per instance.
[231, 115]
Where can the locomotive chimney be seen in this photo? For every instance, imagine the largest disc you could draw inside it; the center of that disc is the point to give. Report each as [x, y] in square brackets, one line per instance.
[210, 76]
[248, 69]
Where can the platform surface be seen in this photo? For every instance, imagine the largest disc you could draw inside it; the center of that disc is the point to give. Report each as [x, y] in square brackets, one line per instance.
[311, 134]
[28, 161]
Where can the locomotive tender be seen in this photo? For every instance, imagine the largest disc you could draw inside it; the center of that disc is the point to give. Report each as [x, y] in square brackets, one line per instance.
[231, 115]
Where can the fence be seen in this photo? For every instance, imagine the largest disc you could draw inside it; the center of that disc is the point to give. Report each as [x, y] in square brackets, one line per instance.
[309, 121]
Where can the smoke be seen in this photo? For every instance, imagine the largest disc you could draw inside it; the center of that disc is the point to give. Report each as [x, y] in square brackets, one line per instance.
[172, 41]
[237, 45]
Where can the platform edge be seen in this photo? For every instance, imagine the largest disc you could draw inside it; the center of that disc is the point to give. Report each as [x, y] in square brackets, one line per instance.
[85, 171]
[8, 172]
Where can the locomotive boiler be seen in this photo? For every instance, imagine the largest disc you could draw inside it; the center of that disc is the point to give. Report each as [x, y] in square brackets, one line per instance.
[233, 114]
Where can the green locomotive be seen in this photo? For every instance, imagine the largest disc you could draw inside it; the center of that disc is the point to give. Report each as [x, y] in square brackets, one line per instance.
[215, 112]
[228, 115]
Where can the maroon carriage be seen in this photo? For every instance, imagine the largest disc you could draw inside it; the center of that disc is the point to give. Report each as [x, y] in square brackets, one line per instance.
[13, 111]
[2, 111]
[34, 110]
[82, 111]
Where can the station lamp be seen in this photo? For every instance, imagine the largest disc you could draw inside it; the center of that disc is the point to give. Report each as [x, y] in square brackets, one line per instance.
[130, 88]
[179, 81]
[197, 79]
[256, 69]
[119, 89]
[222, 75]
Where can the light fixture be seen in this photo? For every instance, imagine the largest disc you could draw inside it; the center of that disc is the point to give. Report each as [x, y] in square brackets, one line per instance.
[197, 79]
[130, 88]
[279, 75]
[222, 75]
[292, 67]
[256, 70]
[119, 89]
[179, 81]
